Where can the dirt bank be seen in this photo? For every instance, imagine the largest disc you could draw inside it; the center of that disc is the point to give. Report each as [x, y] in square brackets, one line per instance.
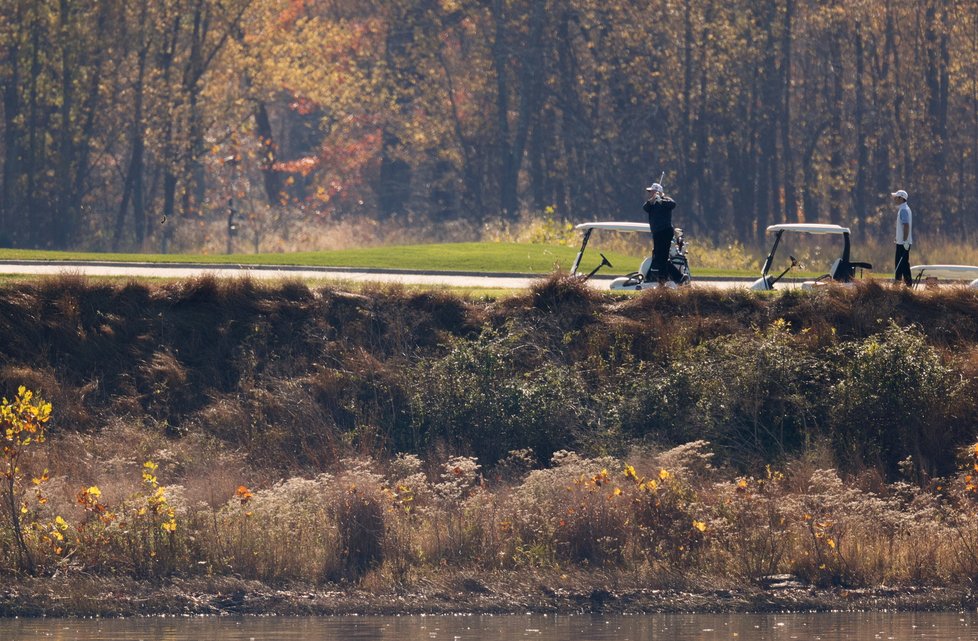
[468, 593]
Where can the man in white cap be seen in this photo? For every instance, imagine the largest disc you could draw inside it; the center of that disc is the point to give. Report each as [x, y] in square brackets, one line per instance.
[659, 208]
[904, 237]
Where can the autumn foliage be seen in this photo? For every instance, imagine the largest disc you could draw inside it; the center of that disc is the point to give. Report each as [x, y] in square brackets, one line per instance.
[453, 115]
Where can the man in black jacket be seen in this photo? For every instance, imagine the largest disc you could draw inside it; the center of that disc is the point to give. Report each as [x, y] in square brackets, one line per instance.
[659, 208]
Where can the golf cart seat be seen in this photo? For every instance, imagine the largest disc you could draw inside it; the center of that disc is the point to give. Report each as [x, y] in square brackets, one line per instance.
[645, 267]
[834, 269]
[843, 271]
[635, 278]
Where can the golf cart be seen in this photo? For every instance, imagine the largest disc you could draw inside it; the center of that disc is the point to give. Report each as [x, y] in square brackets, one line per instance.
[948, 272]
[643, 278]
[842, 269]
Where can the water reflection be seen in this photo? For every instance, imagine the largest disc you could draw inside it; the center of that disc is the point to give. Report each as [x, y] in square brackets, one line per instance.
[698, 627]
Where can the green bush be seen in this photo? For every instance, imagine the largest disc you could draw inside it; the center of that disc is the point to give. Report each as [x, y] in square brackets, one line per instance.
[476, 399]
[760, 395]
[890, 402]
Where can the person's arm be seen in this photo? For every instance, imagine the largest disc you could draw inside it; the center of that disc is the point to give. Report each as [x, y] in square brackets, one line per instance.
[905, 221]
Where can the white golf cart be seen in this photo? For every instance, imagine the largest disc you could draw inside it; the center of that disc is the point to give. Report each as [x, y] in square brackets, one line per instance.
[842, 269]
[945, 272]
[643, 278]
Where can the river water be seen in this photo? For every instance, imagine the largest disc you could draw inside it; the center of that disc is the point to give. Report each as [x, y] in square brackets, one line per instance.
[671, 627]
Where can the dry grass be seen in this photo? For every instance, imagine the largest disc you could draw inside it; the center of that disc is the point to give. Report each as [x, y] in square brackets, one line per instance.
[665, 513]
[353, 418]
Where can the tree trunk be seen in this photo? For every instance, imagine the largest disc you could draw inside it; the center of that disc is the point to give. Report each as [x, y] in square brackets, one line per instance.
[862, 159]
[500, 54]
[11, 140]
[787, 151]
[31, 164]
[63, 221]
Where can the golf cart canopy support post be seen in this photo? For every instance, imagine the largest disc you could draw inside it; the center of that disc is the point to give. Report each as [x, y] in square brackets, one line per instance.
[588, 228]
[580, 253]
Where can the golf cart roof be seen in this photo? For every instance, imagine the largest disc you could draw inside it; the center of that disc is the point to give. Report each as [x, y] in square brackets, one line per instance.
[946, 271]
[615, 226]
[809, 228]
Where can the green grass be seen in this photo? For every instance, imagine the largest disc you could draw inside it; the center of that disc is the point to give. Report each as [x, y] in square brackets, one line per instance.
[464, 257]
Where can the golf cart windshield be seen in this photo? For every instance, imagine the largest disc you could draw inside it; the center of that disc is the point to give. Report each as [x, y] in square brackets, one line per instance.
[841, 269]
[946, 272]
[814, 228]
[588, 228]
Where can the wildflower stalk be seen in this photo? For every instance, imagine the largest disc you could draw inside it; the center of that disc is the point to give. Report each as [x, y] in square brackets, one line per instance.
[21, 423]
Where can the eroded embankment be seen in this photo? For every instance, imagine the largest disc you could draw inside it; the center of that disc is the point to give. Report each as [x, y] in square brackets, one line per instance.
[376, 446]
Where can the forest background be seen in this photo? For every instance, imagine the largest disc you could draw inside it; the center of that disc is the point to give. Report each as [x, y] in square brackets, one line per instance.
[327, 123]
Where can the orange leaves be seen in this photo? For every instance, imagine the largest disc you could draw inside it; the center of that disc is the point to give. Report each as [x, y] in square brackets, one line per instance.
[90, 500]
[293, 11]
[243, 494]
[302, 166]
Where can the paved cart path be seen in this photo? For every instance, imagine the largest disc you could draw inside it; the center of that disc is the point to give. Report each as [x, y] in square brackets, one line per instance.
[407, 277]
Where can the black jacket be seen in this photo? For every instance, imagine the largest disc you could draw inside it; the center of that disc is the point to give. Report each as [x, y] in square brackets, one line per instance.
[659, 210]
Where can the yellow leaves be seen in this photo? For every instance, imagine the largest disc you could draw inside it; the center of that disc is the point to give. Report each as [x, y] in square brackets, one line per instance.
[23, 421]
[650, 486]
[629, 473]
[600, 478]
[699, 525]
[664, 475]
[149, 473]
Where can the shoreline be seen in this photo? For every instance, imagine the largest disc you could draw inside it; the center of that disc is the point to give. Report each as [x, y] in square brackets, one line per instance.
[84, 597]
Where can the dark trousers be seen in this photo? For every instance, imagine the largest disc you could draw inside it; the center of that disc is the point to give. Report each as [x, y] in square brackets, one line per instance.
[662, 269]
[901, 264]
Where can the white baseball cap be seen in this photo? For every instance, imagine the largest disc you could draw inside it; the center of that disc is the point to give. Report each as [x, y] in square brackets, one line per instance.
[654, 187]
[899, 193]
